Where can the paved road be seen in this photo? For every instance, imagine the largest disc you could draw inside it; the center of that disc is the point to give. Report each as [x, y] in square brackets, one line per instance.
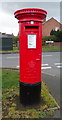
[50, 62]
[50, 68]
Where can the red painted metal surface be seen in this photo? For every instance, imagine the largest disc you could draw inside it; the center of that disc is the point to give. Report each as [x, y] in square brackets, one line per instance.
[30, 14]
[30, 35]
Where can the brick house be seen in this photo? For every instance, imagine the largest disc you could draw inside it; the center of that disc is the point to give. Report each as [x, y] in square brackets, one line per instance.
[51, 24]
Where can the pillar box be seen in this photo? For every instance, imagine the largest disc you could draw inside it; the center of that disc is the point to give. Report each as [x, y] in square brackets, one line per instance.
[30, 37]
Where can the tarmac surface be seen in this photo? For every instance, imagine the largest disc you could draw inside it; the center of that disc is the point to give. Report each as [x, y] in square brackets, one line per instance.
[53, 82]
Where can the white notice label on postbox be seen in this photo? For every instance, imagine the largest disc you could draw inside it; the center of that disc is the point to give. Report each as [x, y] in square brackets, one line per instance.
[31, 41]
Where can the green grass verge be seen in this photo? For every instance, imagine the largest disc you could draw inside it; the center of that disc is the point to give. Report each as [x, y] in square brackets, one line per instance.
[45, 48]
[12, 108]
[10, 79]
[15, 49]
[48, 48]
[12, 51]
[0, 79]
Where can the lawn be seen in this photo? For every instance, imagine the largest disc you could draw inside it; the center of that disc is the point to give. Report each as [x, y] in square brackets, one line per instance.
[15, 50]
[48, 48]
[0, 79]
[11, 106]
[10, 79]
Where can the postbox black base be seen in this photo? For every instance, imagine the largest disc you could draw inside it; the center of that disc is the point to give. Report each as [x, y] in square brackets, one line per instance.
[30, 93]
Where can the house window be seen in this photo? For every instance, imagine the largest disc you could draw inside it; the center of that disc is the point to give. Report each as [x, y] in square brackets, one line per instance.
[57, 28]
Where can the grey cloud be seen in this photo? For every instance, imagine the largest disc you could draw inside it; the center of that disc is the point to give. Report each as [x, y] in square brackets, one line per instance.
[61, 12]
[52, 8]
[10, 7]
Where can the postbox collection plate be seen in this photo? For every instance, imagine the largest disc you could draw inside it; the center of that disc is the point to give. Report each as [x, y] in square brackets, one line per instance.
[31, 41]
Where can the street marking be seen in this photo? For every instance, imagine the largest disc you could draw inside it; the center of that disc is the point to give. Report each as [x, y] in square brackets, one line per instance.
[44, 65]
[48, 74]
[11, 57]
[47, 55]
[43, 68]
[59, 66]
[58, 63]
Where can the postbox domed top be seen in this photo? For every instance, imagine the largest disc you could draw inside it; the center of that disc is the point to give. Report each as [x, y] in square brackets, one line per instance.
[29, 14]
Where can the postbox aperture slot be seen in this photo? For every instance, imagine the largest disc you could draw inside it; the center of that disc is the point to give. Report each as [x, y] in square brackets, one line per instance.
[31, 28]
[31, 41]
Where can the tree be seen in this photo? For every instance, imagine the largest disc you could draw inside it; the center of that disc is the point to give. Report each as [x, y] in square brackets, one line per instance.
[57, 34]
[52, 32]
[15, 39]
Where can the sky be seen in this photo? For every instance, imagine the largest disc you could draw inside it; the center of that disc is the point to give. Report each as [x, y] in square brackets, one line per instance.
[9, 24]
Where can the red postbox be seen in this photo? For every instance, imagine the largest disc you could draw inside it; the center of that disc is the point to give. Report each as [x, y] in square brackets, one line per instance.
[30, 36]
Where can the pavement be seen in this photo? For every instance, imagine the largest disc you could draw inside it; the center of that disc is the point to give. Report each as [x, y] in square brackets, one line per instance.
[53, 84]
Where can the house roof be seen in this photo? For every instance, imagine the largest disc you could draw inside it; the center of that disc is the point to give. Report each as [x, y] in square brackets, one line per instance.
[4, 35]
[50, 20]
